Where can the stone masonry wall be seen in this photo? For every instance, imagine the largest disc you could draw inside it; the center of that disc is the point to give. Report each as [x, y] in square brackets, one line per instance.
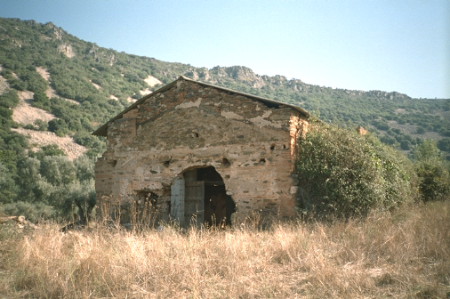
[252, 146]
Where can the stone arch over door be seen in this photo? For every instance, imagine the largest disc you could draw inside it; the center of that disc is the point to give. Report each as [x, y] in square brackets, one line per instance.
[198, 196]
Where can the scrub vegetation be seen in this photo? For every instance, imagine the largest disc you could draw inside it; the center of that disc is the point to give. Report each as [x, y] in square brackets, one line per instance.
[343, 174]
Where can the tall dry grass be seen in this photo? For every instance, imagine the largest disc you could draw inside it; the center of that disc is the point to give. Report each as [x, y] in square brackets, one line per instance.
[401, 255]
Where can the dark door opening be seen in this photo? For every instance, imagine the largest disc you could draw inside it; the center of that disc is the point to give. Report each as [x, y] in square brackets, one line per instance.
[205, 189]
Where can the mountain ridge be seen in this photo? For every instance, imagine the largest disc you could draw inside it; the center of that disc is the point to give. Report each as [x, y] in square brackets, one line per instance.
[241, 73]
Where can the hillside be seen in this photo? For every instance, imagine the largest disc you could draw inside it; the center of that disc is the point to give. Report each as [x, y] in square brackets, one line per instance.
[43, 57]
[57, 89]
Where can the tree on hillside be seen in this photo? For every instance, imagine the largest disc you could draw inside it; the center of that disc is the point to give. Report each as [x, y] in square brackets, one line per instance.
[56, 186]
[58, 126]
[8, 188]
[432, 170]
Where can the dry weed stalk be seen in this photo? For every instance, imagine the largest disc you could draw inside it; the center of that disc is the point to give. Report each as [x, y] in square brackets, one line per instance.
[403, 255]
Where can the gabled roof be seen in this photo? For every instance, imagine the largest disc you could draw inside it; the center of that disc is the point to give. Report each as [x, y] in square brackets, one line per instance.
[102, 131]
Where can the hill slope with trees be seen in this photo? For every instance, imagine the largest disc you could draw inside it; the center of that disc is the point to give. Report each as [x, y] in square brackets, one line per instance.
[83, 85]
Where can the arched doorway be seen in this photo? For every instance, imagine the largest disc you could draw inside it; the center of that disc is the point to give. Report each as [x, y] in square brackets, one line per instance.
[198, 196]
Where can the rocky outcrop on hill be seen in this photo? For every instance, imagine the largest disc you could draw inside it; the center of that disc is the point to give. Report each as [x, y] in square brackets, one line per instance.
[101, 55]
[66, 49]
[54, 31]
[243, 75]
[387, 95]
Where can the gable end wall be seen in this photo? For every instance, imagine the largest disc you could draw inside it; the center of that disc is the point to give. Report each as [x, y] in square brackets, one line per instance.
[252, 147]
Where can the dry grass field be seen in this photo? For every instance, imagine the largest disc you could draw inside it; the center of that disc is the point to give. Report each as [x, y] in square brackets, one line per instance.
[405, 254]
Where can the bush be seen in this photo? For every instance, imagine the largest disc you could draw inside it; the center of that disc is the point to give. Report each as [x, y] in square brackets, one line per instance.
[388, 140]
[405, 145]
[85, 139]
[41, 125]
[58, 170]
[434, 181]
[40, 100]
[444, 144]
[95, 144]
[433, 173]
[80, 198]
[8, 188]
[29, 127]
[58, 126]
[47, 150]
[421, 130]
[34, 81]
[9, 99]
[52, 185]
[381, 126]
[344, 174]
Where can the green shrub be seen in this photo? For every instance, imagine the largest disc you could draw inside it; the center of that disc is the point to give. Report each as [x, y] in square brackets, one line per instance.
[8, 188]
[41, 125]
[95, 144]
[432, 171]
[40, 100]
[47, 150]
[29, 127]
[80, 198]
[421, 130]
[405, 145]
[434, 181]
[388, 140]
[344, 174]
[381, 126]
[444, 144]
[58, 126]
[34, 81]
[5, 113]
[9, 99]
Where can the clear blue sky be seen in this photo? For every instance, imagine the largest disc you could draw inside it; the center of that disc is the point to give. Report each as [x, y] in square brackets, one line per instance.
[396, 45]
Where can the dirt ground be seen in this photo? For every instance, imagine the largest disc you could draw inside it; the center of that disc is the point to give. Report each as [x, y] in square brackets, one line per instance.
[25, 114]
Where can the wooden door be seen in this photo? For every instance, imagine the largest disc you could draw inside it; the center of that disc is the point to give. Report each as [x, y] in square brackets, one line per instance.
[194, 203]
[177, 200]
